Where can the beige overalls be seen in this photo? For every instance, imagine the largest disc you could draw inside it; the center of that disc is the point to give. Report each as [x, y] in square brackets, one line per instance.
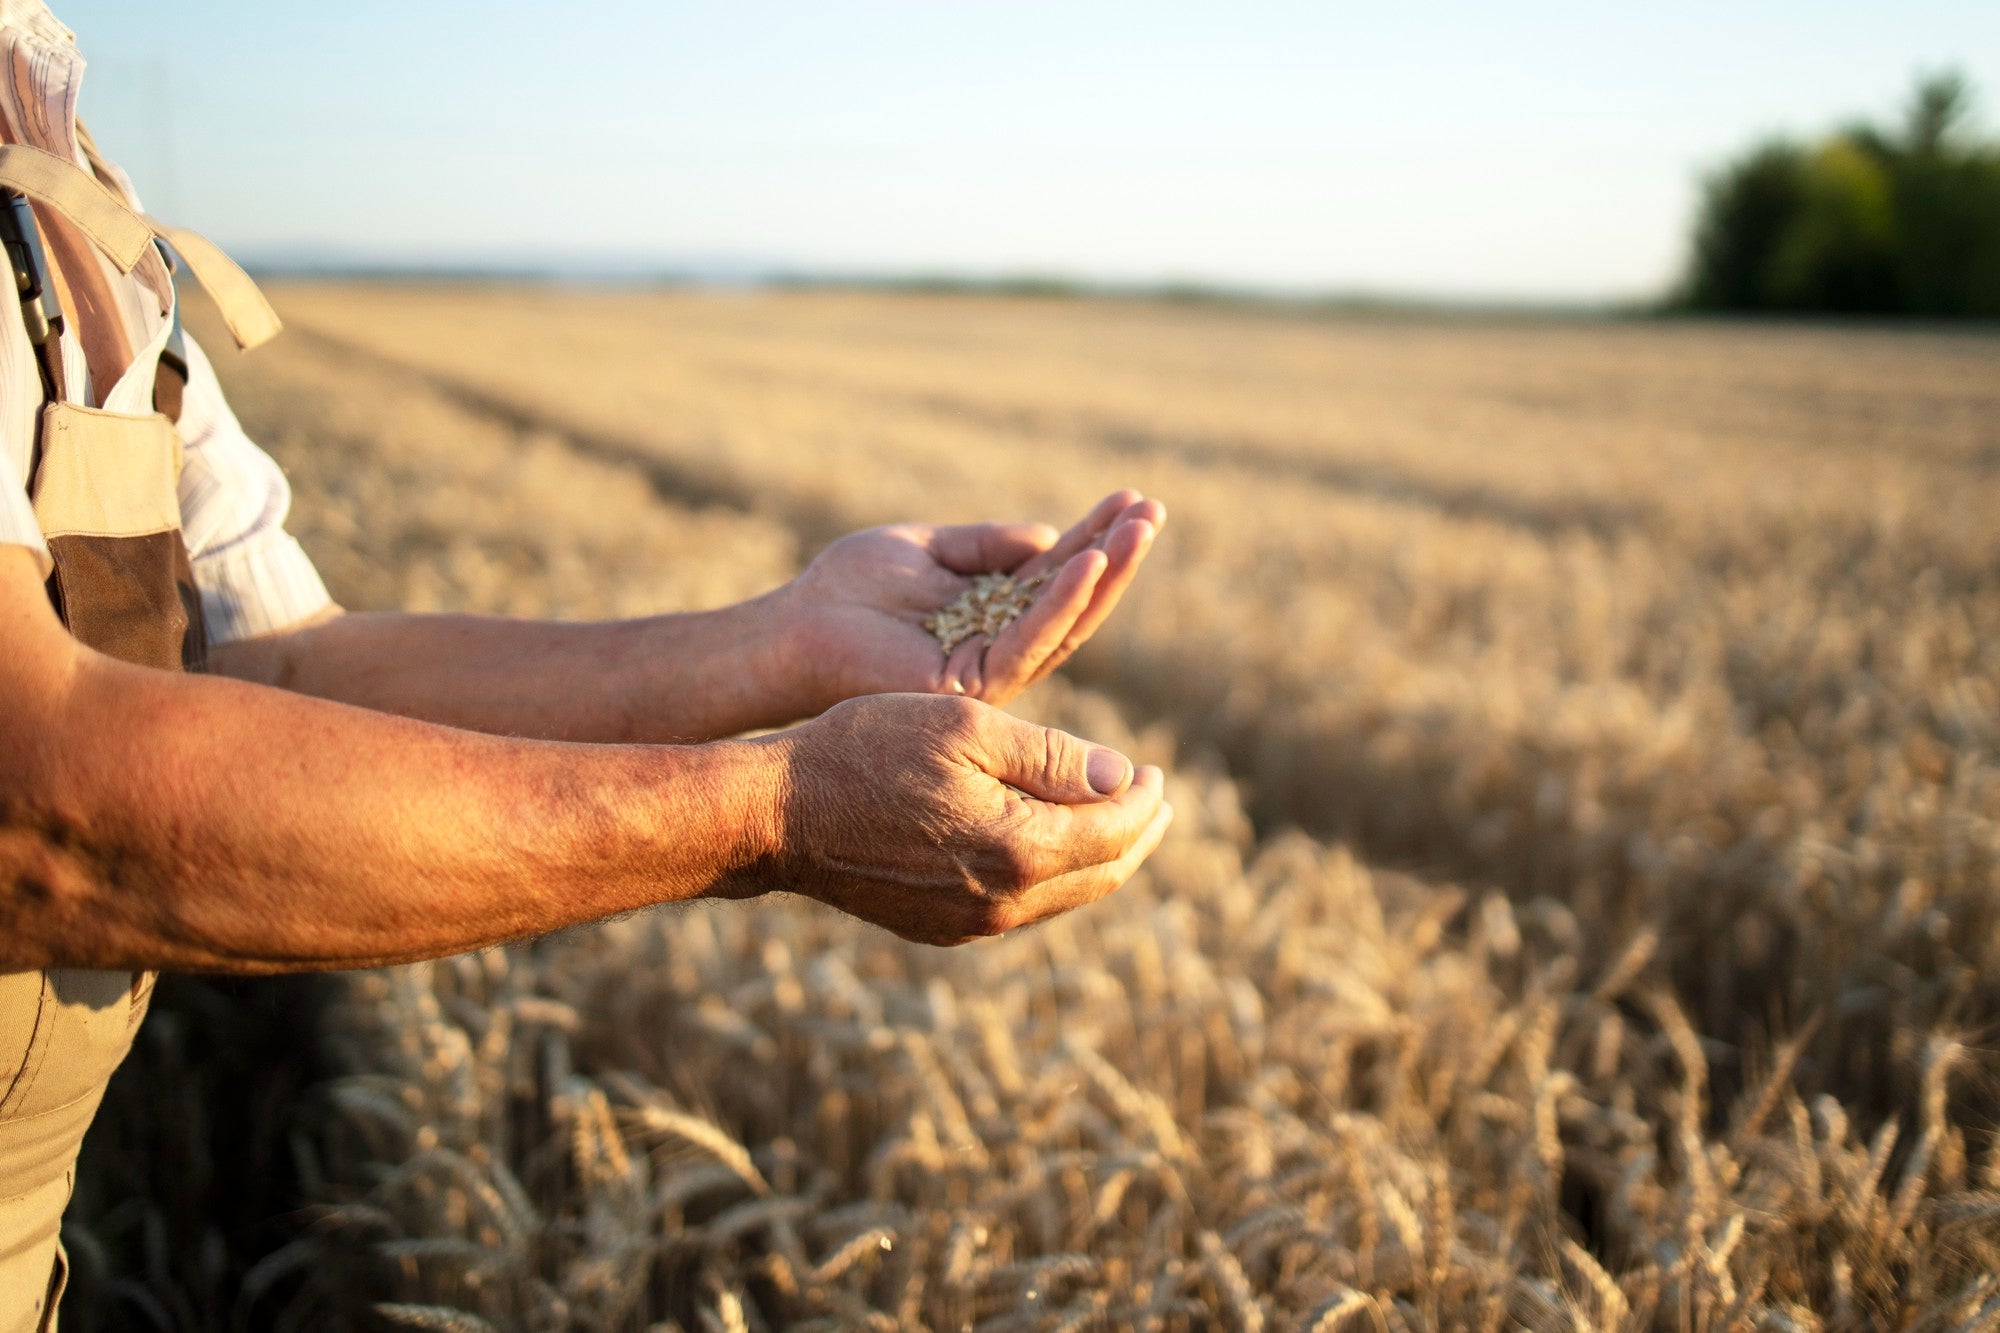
[104, 487]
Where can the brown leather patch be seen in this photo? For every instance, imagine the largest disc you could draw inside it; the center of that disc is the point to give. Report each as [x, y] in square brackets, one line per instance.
[194, 642]
[122, 595]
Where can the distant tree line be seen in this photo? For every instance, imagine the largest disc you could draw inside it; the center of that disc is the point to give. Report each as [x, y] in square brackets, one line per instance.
[1867, 221]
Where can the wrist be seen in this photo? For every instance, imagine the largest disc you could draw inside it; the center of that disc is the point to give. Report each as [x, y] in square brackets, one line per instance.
[801, 669]
[780, 663]
[751, 784]
[740, 663]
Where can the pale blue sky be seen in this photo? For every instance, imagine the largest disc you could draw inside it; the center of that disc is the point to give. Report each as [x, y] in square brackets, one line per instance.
[1529, 150]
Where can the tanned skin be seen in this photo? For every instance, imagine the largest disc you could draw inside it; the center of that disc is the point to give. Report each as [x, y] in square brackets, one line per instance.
[374, 789]
[850, 625]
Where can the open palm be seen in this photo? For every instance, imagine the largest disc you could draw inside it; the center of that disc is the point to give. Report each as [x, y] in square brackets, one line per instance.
[862, 602]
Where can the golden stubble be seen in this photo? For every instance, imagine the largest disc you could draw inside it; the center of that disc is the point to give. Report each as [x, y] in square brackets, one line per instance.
[1581, 913]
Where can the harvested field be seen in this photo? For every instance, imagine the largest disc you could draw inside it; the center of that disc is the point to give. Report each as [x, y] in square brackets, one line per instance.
[1584, 911]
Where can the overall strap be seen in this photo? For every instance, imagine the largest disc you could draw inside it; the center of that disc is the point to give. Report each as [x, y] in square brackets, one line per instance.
[73, 192]
[123, 234]
[170, 376]
[103, 483]
[251, 320]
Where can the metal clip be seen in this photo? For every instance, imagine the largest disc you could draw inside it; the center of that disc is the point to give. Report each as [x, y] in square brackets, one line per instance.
[40, 309]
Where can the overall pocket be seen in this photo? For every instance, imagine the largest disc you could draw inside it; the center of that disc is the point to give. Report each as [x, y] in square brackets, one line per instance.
[106, 495]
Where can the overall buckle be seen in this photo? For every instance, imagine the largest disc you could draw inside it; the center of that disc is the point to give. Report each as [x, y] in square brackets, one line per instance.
[40, 309]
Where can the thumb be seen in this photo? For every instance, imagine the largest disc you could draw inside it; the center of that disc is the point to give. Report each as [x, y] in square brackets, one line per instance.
[1053, 765]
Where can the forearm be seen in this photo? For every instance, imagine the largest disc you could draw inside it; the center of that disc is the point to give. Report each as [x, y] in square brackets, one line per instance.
[157, 821]
[675, 678]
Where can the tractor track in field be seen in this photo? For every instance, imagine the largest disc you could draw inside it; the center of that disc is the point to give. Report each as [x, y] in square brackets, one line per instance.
[674, 482]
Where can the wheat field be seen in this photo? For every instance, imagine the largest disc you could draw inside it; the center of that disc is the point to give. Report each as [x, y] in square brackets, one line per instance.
[1584, 911]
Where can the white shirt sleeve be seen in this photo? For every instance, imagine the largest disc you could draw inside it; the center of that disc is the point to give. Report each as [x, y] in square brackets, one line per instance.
[254, 577]
[20, 404]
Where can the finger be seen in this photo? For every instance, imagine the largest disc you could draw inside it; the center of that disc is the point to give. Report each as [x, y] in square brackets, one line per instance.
[1019, 650]
[1101, 516]
[1080, 888]
[1143, 511]
[1124, 549]
[981, 548]
[1146, 511]
[1068, 838]
[963, 669]
[1049, 765]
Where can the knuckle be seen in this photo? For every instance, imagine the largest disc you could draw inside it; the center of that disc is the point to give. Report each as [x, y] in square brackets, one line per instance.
[1069, 756]
[1054, 758]
[960, 714]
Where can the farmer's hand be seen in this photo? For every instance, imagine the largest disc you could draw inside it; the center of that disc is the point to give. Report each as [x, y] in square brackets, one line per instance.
[857, 612]
[944, 820]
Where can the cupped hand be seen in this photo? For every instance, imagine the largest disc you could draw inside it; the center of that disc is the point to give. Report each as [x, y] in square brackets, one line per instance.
[944, 820]
[859, 608]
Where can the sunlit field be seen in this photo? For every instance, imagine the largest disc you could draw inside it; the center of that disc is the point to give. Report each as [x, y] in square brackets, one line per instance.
[1584, 910]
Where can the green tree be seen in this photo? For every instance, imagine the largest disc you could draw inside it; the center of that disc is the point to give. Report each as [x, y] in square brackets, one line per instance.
[1750, 205]
[1866, 221]
[1948, 207]
[1838, 249]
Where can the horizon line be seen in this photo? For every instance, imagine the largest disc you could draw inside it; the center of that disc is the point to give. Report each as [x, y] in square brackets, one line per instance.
[1023, 283]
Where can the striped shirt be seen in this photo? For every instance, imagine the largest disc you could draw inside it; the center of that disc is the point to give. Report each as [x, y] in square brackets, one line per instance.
[254, 577]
